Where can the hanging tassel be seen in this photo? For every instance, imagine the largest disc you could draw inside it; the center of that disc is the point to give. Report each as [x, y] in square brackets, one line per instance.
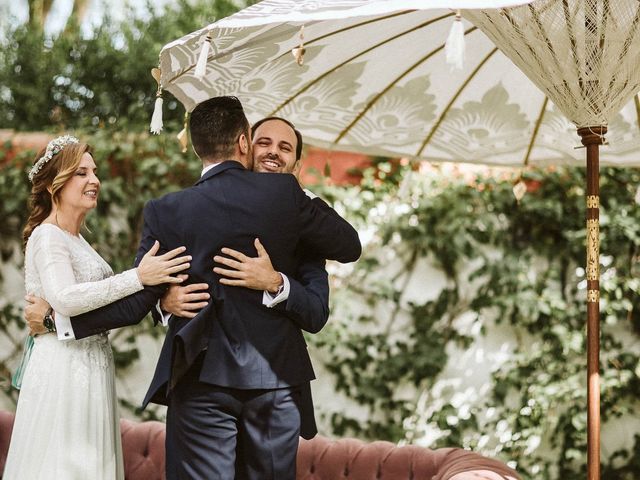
[156, 118]
[201, 66]
[454, 47]
[183, 137]
[519, 188]
[183, 140]
[299, 51]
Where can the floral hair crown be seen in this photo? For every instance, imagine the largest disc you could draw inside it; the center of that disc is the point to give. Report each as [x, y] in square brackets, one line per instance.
[54, 147]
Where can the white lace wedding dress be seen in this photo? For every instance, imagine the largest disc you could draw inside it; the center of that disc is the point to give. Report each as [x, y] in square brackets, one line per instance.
[67, 423]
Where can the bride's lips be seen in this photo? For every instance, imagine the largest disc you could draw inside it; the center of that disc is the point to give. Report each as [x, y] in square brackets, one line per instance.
[93, 193]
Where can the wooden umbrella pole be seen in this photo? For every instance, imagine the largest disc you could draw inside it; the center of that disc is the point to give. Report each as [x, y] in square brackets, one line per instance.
[592, 138]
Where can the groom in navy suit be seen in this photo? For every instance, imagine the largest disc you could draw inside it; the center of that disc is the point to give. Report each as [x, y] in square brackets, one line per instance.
[231, 375]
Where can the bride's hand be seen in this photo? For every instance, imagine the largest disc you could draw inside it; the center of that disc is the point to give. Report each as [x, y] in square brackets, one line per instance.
[154, 270]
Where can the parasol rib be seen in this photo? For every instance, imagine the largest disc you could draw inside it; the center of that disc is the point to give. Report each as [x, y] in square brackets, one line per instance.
[541, 67]
[593, 56]
[606, 14]
[452, 101]
[357, 25]
[633, 31]
[543, 34]
[260, 40]
[536, 129]
[545, 37]
[359, 54]
[224, 53]
[636, 101]
[379, 95]
[572, 42]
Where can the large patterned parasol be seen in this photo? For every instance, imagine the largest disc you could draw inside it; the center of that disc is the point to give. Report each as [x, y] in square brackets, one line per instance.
[373, 77]
[380, 84]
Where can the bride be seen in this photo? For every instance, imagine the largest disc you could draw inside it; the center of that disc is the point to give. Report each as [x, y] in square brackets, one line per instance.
[67, 423]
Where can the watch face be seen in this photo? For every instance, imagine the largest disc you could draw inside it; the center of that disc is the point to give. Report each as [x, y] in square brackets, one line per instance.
[48, 322]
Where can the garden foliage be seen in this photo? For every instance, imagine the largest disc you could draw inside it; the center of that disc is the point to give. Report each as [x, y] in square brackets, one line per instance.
[507, 265]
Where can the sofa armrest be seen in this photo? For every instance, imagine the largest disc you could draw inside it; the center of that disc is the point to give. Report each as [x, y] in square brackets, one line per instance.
[462, 464]
[6, 427]
[324, 459]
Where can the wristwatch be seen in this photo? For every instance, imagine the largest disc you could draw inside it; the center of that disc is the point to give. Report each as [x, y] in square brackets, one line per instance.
[48, 322]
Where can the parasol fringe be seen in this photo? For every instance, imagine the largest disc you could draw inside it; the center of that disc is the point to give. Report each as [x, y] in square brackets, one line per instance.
[299, 51]
[454, 47]
[519, 189]
[201, 66]
[183, 136]
[156, 118]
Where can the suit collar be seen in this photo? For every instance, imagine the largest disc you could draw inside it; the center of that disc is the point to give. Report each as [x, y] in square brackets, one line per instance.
[226, 165]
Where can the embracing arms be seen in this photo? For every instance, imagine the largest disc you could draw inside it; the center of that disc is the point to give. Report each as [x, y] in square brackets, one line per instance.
[304, 299]
[68, 297]
[324, 233]
[133, 308]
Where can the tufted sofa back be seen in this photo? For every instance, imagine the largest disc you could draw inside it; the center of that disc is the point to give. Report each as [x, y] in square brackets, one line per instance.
[318, 459]
[350, 459]
[143, 449]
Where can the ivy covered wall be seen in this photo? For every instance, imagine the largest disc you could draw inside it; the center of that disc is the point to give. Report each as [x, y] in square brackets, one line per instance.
[447, 264]
[408, 352]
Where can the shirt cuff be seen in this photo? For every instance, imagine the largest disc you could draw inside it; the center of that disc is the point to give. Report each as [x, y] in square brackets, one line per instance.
[270, 300]
[164, 316]
[63, 327]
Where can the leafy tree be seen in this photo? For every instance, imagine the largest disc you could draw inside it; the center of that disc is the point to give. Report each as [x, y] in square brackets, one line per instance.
[98, 81]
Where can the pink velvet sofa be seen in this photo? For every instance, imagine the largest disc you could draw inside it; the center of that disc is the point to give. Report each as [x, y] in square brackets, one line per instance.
[318, 459]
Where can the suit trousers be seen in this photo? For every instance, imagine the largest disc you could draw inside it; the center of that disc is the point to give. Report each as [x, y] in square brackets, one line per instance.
[222, 433]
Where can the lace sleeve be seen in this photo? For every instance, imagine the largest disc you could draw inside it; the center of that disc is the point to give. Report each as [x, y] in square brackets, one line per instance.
[53, 262]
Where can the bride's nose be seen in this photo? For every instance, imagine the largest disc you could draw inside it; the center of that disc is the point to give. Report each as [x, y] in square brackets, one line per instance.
[93, 178]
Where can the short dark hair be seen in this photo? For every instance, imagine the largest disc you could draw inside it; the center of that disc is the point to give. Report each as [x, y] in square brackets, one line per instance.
[298, 134]
[215, 125]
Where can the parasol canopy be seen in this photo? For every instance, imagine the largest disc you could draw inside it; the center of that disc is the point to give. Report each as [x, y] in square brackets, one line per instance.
[374, 80]
[373, 77]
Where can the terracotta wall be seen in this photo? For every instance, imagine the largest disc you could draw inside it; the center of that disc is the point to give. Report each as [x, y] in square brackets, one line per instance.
[11, 142]
[343, 168]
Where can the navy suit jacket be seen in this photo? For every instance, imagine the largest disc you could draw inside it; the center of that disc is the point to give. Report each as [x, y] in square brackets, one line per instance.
[247, 345]
[308, 307]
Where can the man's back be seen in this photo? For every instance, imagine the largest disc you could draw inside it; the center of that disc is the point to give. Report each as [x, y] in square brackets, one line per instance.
[231, 207]
[249, 345]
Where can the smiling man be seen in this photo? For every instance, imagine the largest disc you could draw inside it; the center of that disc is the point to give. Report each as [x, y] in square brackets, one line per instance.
[277, 146]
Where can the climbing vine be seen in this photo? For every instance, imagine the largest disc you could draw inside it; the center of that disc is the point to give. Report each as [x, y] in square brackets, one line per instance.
[448, 262]
[505, 266]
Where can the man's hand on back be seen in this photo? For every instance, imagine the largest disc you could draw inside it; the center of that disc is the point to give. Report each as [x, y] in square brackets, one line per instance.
[256, 273]
[186, 301]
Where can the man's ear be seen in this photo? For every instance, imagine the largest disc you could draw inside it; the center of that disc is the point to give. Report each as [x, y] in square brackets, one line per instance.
[243, 143]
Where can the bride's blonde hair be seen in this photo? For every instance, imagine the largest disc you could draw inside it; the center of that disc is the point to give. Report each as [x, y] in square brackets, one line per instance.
[48, 182]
